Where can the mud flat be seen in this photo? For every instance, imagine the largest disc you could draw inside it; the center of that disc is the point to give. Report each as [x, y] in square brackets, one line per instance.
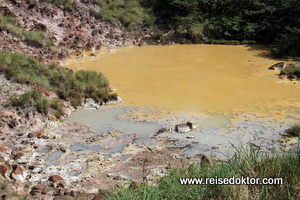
[216, 135]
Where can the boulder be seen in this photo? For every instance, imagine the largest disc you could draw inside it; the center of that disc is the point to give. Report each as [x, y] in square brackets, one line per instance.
[37, 134]
[34, 43]
[55, 178]
[5, 170]
[66, 112]
[192, 125]
[40, 27]
[18, 173]
[48, 190]
[37, 189]
[182, 128]
[278, 66]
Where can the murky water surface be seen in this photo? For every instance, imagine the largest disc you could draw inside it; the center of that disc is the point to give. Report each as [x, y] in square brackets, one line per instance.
[196, 78]
[107, 120]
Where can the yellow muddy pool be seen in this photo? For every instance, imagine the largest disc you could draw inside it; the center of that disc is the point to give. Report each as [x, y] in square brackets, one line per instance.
[196, 78]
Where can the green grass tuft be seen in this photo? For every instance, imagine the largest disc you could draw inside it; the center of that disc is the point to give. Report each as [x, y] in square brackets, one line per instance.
[34, 98]
[291, 69]
[246, 162]
[24, 69]
[10, 24]
[127, 12]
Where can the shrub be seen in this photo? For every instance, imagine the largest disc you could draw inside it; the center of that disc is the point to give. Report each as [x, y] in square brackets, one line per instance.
[27, 99]
[33, 98]
[127, 12]
[68, 85]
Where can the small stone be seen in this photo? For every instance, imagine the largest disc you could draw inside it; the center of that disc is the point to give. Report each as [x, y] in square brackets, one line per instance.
[4, 129]
[190, 137]
[3, 149]
[182, 128]
[192, 125]
[38, 134]
[17, 169]
[55, 178]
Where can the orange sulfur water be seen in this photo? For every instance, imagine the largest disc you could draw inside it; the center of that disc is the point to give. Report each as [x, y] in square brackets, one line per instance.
[197, 78]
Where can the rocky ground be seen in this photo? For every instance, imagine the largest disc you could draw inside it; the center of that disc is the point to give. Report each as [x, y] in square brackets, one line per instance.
[46, 159]
[70, 32]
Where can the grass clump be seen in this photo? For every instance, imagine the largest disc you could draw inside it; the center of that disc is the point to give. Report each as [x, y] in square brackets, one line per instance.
[67, 4]
[246, 162]
[8, 19]
[292, 69]
[39, 36]
[68, 85]
[34, 98]
[127, 12]
[10, 24]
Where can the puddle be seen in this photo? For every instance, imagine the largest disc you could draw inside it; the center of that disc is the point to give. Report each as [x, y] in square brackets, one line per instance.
[107, 120]
[77, 146]
[46, 150]
[54, 156]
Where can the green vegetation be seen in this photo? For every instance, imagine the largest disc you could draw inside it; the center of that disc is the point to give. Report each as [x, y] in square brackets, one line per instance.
[294, 130]
[263, 21]
[246, 163]
[40, 37]
[228, 42]
[127, 12]
[24, 69]
[291, 69]
[67, 4]
[34, 99]
[10, 24]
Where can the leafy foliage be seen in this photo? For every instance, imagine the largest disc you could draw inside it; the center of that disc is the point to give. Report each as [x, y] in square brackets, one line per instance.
[127, 12]
[265, 21]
